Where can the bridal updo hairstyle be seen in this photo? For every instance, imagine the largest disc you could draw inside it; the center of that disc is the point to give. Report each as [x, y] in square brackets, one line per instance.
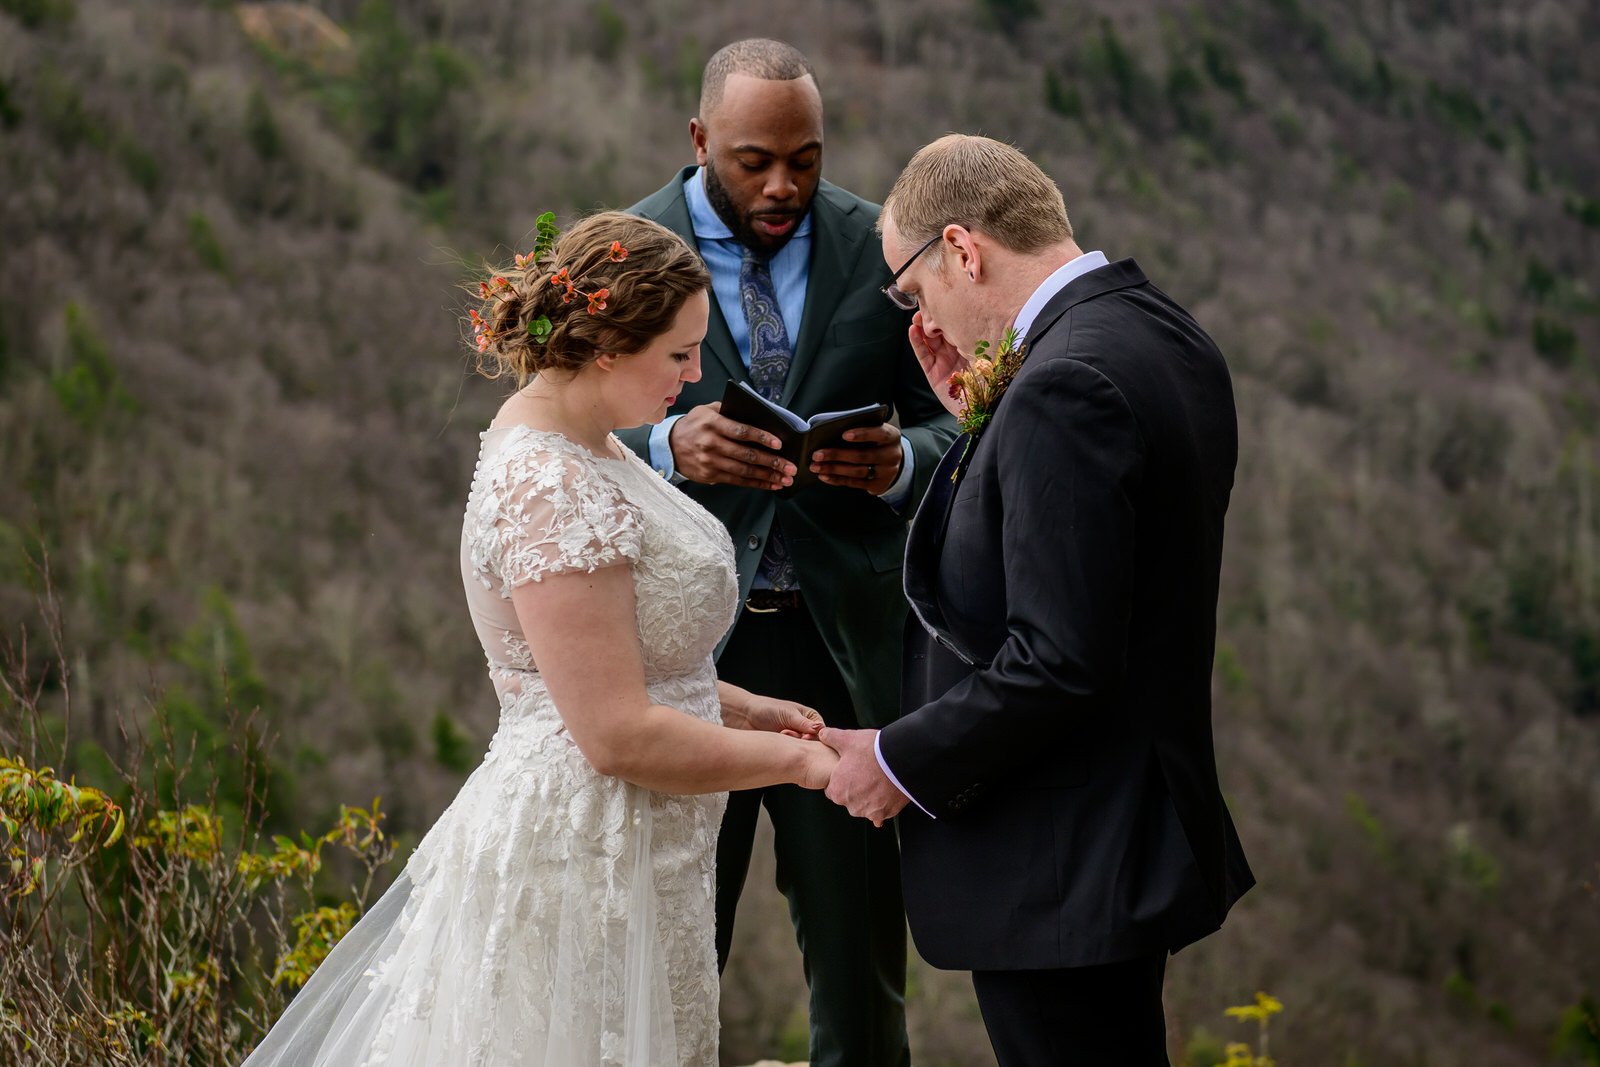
[644, 289]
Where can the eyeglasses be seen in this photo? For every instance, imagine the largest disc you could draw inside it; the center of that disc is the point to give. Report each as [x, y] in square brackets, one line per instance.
[898, 297]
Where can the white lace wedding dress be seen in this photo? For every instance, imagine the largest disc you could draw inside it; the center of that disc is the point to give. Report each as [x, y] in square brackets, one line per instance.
[552, 916]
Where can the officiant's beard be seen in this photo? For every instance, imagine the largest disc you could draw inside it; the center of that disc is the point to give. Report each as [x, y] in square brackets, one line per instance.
[743, 227]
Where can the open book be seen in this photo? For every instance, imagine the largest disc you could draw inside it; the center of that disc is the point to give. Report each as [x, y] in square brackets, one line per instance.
[800, 437]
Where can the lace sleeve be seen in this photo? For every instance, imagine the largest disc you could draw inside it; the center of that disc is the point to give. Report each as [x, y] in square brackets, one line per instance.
[546, 512]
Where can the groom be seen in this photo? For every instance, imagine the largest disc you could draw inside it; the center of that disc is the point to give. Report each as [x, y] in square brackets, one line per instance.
[1065, 829]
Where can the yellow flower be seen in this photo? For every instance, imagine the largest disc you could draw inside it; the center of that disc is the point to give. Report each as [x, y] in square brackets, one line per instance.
[1264, 1007]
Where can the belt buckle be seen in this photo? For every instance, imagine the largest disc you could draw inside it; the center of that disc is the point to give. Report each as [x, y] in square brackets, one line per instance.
[775, 600]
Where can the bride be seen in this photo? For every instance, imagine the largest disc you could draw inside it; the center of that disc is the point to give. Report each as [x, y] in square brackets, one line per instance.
[559, 913]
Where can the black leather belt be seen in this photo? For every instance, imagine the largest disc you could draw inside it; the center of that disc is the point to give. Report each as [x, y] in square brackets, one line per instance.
[766, 601]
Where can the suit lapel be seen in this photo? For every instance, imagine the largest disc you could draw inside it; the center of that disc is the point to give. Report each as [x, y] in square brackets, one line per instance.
[926, 538]
[835, 247]
[672, 211]
[720, 341]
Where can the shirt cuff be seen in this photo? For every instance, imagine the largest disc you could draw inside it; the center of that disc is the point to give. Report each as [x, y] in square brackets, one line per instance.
[661, 450]
[898, 493]
[877, 750]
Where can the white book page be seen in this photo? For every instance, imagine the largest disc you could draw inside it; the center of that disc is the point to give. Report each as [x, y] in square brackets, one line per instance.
[824, 416]
[802, 425]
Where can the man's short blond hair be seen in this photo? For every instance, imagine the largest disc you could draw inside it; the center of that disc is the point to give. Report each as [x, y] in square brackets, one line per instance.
[979, 183]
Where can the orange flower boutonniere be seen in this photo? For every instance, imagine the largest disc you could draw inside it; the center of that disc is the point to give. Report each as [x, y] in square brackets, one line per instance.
[984, 381]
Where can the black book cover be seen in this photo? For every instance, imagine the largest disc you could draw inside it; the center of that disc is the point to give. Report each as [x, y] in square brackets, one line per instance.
[801, 437]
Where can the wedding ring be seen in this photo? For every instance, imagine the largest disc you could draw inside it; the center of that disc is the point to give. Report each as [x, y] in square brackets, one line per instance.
[872, 472]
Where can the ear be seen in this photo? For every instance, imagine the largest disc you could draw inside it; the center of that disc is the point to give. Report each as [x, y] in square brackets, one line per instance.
[697, 139]
[965, 250]
[606, 361]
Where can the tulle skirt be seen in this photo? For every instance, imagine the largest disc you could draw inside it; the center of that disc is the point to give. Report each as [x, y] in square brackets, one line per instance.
[552, 917]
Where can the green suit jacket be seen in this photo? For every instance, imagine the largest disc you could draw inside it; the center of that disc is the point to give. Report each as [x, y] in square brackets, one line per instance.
[852, 350]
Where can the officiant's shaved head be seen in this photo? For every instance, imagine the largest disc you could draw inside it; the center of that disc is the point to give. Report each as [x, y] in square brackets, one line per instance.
[756, 57]
[758, 140]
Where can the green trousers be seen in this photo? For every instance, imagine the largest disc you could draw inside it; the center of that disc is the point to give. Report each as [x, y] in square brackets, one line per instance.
[841, 875]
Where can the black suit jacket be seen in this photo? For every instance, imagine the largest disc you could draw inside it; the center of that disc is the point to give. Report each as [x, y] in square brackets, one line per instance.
[851, 350]
[1058, 691]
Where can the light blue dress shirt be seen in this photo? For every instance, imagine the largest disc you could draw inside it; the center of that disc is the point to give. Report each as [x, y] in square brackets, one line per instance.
[1058, 280]
[790, 268]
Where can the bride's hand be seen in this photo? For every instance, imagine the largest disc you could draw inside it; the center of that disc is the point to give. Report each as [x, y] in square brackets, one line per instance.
[816, 769]
[783, 716]
[744, 710]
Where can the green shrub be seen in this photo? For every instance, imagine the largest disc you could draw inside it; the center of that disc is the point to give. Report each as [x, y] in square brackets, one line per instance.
[404, 97]
[1554, 341]
[1229, 670]
[1063, 99]
[10, 114]
[1203, 1049]
[1290, 130]
[88, 387]
[611, 31]
[37, 13]
[195, 922]
[1583, 208]
[140, 163]
[450, 746]
[1539, 282]
[1458, 107]
[1579, 1032]
[1224, 71]
[1184, 89]
[64, 114]
[1584, 654]
[203, 240]
[1011, 14]
[261, 128]
[1108, 64]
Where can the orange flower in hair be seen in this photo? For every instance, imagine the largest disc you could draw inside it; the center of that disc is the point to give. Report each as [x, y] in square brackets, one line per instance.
[499, 287]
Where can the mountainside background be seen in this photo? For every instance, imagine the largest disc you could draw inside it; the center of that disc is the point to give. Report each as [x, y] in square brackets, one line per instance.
[236, 417]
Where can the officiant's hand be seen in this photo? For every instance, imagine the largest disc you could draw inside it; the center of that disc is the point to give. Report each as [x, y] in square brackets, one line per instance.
[713, 450]
[939, 359]
[871, 461]
[858, 783]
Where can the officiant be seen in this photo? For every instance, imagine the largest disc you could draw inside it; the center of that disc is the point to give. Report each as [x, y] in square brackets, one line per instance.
[798, 314]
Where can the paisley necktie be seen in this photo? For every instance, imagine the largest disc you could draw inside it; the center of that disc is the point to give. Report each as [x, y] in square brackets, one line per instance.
[770, 356]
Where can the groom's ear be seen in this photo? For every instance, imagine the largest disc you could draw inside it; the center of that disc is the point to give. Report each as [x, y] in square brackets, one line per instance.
[966, 250]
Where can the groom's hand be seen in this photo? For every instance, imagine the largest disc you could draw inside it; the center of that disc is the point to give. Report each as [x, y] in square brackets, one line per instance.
[939, 359]
[713, 450]
[858, 783]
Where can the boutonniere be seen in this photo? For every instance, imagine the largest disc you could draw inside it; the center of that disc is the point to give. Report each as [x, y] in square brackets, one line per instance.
[981, 385]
